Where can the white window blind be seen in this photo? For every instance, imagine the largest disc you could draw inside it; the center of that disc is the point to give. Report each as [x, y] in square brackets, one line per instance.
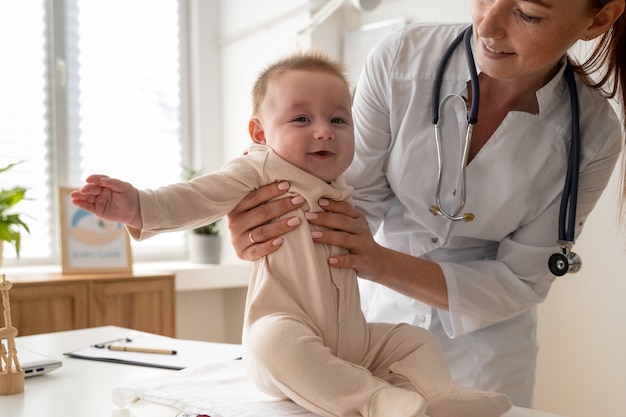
[113, 106]
[24, 119]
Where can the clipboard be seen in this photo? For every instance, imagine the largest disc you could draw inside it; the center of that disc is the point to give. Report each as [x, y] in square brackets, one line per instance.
[188, 352]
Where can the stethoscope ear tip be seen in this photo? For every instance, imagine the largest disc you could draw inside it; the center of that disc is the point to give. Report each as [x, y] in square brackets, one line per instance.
[466, 217]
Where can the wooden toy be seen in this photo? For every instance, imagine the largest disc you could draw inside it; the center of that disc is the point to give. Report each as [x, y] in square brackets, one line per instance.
[11, 374]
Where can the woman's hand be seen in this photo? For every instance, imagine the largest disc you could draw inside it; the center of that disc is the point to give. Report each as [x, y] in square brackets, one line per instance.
[351, 231]
[253, 234]
[409, 275]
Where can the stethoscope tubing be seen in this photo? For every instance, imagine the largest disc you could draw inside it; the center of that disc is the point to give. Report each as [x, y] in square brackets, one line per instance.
[472, 118]
[570, 190]
[466, 38]
[559, 264]
[456, 214]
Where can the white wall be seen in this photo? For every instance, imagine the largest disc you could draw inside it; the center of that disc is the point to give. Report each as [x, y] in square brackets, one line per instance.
[264, 31]
[421, 11]
[582, 369]
[582, 325]
[251, 35]
[204, 72]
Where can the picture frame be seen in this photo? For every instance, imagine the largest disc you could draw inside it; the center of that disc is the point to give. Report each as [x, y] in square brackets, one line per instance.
[89, 243]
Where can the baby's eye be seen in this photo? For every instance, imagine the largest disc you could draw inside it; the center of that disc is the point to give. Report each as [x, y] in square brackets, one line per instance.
[301, 119]
[337, 120]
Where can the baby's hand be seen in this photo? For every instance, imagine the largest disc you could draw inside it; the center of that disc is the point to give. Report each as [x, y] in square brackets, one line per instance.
[110, 199]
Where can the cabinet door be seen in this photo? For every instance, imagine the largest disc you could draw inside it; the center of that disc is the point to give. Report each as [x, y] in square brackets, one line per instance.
[135, 303]
[45, 308]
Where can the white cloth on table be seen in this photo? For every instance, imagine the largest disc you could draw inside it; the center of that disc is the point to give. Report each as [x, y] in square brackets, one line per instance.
[218, 390]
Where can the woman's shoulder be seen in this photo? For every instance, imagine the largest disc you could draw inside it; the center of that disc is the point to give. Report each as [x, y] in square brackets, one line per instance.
[427, 35]
[438, 29]
[416, 47]
[599, 120]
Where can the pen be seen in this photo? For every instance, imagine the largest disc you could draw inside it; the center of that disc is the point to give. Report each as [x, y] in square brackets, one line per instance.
[102, 345]
[142, 350]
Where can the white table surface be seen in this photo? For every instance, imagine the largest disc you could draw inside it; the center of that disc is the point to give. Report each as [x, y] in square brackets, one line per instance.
[83, 387]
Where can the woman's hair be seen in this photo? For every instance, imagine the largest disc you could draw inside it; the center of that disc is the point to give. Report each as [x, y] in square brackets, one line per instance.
[609, 60]
[305, 60]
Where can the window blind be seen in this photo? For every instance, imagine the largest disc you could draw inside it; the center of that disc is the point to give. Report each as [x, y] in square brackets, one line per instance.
[24, 110]
[118, 70]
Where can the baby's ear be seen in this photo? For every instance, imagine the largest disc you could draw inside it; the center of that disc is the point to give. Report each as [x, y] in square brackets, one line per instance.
[256, 131]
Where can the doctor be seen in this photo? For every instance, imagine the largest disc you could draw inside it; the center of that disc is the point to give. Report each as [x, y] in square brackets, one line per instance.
[474, 284]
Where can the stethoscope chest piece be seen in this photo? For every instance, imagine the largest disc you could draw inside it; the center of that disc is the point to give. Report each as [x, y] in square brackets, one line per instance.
[562, 263]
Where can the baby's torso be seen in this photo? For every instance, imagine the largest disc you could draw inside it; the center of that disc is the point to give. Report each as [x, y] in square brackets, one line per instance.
[297, 280]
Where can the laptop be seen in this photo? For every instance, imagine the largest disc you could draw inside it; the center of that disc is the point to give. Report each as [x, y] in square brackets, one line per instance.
[34, 363]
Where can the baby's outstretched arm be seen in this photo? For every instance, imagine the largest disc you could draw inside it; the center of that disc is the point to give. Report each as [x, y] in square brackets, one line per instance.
[110, 199]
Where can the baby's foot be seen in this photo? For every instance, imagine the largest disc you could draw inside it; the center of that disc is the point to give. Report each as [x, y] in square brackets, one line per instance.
[397, 402]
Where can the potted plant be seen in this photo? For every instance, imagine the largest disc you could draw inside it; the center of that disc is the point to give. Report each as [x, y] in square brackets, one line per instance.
[11, 224]
[204, 243]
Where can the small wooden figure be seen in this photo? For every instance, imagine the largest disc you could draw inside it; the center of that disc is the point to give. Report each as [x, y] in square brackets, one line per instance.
[11, 374]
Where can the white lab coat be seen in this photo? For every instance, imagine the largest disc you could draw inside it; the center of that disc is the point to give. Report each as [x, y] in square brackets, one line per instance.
[496, 266]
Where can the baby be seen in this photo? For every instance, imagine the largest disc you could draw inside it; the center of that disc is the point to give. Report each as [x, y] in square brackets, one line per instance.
[304, 334]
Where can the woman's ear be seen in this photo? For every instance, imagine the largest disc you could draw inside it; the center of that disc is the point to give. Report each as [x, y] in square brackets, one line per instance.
[605, 18]
[255, 129]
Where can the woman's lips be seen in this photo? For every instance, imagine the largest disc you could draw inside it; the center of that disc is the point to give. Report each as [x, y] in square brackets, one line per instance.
[493, 52]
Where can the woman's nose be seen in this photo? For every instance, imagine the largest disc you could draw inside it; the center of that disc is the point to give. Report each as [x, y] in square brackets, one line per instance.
[492, 19]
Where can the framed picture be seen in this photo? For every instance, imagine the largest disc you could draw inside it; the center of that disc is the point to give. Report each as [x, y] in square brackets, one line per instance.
[89, 243]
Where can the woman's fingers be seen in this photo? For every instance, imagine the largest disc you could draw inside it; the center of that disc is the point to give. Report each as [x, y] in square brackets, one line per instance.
[253, 234]
[349, 230]
[263, 240]
[345, 219]
[261, 196]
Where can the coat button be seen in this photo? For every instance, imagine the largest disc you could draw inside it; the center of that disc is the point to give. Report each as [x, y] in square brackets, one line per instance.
[434, 239]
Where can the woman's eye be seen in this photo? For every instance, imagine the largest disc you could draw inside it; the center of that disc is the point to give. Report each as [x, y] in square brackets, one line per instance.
[527, 18]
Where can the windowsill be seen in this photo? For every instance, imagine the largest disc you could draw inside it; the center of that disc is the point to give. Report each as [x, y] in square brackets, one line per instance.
[189, 276]
[192, 276]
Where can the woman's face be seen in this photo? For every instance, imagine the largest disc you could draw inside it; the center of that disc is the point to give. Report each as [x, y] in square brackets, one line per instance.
[525, 39]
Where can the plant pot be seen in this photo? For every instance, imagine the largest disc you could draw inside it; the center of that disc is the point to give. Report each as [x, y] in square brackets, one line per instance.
[204, 249]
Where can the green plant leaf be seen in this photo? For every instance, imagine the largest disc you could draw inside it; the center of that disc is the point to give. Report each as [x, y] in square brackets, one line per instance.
[209, 229]
[11, 224]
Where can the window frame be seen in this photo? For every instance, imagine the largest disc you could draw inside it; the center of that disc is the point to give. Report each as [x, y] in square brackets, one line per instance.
[58, 113]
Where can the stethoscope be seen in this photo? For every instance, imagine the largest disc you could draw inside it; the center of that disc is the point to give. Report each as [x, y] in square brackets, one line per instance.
[559, 263]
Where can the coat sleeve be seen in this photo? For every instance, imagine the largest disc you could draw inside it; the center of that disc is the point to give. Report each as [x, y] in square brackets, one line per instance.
[373, 136]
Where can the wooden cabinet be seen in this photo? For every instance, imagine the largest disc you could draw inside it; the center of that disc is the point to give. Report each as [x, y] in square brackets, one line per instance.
[49, 307]
[56, 302]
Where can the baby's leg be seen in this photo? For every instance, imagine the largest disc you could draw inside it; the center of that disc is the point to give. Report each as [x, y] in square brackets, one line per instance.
[284, 354]
[411, 357]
